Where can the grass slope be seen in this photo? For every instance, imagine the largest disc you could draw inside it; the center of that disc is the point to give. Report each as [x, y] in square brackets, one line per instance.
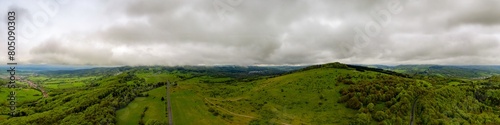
[189, 109]
[22, 95]
[305, 97]
[131, 114]
[322, 94]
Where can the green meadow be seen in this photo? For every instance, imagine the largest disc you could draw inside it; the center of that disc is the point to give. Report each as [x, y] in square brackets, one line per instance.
[22, 95]
[190, 109]
[131, 114]
[331, 93]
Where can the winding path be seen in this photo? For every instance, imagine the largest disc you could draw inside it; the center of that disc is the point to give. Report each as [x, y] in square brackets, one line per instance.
[169, 106]
[31, 84]
[236, 114]
[412, 117]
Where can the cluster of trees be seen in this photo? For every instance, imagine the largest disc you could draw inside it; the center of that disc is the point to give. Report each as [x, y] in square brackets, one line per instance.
[130, 76]
[364, 68]
[226, 81]
[488, 91]
[488, 97]
[328, 65]
[86, 105]
[386, 89]
[401, 99]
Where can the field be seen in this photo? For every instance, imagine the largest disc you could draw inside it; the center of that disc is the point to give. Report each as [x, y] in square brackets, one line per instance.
[189, 109]
[278, 100]
[321, 94]
[296, 98]
[22, 95]
[131, 114]
[157, 77]
[60, 82]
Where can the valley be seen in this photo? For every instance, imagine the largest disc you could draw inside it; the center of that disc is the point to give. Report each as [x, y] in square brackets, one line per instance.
[332, 93]
[250, 62]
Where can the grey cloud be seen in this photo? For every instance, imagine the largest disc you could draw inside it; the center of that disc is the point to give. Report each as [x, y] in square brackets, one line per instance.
[55, 51]
[483, 13]
[174, 32]
[443, 47]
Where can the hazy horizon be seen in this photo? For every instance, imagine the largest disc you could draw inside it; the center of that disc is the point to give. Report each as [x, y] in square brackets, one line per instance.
[264, 65]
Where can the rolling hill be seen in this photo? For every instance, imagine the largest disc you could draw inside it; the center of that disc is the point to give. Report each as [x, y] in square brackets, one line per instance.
[331, 93]
[453, 71]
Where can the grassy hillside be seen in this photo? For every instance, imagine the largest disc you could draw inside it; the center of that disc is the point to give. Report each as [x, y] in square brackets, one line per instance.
[309, 96]
[189, 109]
[328, 94]
[23, 95]
[332, 93]
[144, 109]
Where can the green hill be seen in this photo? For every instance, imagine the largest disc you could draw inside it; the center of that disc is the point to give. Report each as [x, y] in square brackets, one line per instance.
[341, 94]
[331, 93]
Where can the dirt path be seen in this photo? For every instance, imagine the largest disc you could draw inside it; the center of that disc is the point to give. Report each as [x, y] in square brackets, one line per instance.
[33, 85]
[169, 106]
[236, 114]
[229, 99]
[412, 117]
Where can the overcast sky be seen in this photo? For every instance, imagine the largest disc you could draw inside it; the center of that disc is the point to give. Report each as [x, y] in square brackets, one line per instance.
[254, 32]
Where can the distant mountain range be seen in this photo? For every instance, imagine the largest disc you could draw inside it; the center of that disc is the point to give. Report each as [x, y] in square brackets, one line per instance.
[45, 67]
[457, 71]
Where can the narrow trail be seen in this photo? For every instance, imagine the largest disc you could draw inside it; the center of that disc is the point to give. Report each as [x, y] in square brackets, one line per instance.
[169, 106]
[412, 117]
[236, 114]
[33, 85]
[230, 99]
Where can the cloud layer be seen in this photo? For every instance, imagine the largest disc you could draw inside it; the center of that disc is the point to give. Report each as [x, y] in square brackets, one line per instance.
[248, 32]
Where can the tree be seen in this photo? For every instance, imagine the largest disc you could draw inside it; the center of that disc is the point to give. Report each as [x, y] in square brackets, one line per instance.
[363, 110]
[155, 122]
[370, 107]
[379, 116]
[362, 119]
[354, 103]
[162, 99]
